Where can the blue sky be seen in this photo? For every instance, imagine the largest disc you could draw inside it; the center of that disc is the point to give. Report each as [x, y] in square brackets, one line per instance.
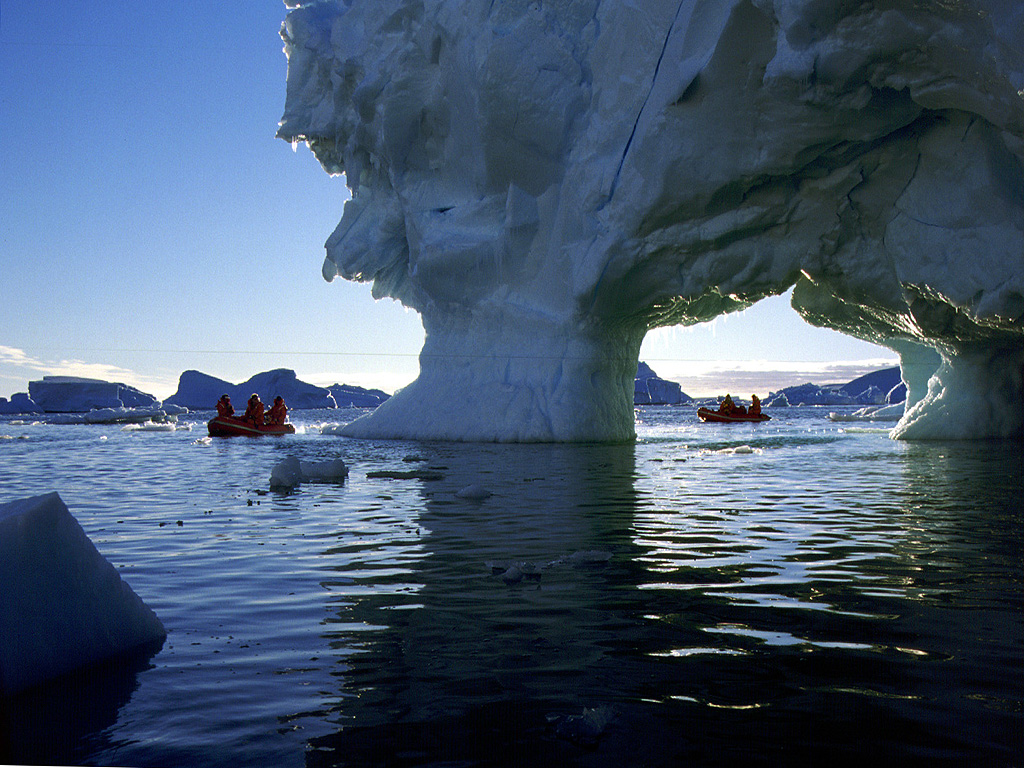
[150, 222]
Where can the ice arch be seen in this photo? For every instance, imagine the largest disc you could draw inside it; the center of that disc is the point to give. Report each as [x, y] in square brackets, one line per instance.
[545, 181]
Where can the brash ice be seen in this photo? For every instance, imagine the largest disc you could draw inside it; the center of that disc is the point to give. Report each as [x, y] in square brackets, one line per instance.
[546, 181]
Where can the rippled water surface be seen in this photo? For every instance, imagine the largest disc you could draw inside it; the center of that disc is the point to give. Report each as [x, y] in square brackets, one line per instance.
[791, 593]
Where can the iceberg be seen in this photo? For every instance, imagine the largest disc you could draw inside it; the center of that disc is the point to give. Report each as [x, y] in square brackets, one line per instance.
[63, 605]
[650, 389]
[546, 182]
[201, 391]
[74, 394]
[20, 402]
[349, 396]
[872, 389]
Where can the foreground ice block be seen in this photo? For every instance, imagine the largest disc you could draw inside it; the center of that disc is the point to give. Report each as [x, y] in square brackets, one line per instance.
[546, 182]
[62, 604]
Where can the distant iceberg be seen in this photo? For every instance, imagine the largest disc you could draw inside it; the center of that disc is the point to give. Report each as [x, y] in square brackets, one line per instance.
[877, 388]
[200, 391]
[73, 394]
[346, 395]
[20, 402]
[650, 389]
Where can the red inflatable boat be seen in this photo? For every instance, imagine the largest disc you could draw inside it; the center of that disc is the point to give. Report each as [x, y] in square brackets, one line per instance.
[720, 418]
[229, 426]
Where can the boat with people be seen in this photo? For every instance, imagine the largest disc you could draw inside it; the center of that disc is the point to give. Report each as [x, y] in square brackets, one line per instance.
[231, 426]
[254, 422]
[706, 414]
[729, 412]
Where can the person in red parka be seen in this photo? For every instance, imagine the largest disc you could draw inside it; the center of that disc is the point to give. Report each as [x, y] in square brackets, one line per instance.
[224, 406]
[278, 412]
[254, 411]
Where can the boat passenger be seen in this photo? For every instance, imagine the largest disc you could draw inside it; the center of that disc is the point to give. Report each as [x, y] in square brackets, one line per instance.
[755, 406]
[224, 406]
[254, 411]
[727, 406]
[278, 412]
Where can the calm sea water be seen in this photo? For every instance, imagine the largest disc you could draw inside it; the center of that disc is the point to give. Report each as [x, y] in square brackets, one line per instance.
[791, 593]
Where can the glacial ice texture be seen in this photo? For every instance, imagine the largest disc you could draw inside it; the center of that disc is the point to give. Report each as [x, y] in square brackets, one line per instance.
[547, 181]
[63, 605]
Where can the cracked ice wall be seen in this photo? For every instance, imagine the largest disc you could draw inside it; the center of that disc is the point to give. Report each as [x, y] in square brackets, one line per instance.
[546, 181]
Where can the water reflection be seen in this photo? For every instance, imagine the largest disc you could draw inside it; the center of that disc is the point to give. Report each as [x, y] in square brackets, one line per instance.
[789, 619]
[64, 721]
[461, 648]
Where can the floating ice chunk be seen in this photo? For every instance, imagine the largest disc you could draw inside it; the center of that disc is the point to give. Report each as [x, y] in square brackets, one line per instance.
[62, 605]
[590, 557]
[149, 426]
[885, 413]
[291, 472]
[333, 471]
[474, 493]
[736, 450]
[138, 415]
[513, 575]
[584, 729]
[286, 474]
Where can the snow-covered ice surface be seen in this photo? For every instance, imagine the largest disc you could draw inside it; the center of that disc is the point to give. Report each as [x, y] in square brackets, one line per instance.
[63, 606]
[779, 593]
[544, 182]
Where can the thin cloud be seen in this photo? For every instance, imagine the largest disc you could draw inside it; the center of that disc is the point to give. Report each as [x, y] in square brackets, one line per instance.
[12, 357]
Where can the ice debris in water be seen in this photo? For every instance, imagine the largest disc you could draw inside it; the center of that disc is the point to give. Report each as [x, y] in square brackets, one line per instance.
[871, 413]
[292, 472]
[733, 450]
[149, 426]
[513, 572]
[62, 604]
[474, 493]
[583, 729]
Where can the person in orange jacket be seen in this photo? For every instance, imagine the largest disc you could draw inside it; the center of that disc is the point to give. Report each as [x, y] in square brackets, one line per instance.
[755, 406]
[727, 407]
[224, 406]
[278, 412]
[254, 411]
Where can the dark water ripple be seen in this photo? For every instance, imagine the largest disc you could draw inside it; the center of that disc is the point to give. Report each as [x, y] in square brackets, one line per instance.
[794, 595]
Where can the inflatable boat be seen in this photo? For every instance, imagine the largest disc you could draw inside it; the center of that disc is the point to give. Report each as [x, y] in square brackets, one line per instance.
[721, 418]
[229, 426]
